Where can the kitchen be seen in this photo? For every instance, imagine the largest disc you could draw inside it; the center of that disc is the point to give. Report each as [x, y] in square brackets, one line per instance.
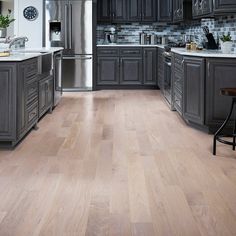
[107, 115]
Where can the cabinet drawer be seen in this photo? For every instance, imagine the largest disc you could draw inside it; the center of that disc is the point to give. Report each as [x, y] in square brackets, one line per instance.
[31, 68]
[108, 51]
[131, 52]
[31, 91]
[32, 114]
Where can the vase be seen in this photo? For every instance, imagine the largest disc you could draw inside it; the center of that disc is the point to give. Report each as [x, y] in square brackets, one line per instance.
[226, 47]
[3, 32]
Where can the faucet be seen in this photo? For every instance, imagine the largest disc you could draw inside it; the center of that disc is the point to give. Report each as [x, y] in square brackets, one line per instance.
[18, 42]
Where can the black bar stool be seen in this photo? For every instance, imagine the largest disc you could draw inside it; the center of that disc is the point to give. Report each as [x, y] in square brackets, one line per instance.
[218, 136]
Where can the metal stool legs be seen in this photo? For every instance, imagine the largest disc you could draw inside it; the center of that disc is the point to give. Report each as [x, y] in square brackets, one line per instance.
[217, 136]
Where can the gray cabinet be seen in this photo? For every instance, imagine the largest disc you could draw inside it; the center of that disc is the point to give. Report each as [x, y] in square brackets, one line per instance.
[104, 11]
[108, 70]
[149, 66]
[220, 74]
[134, 10]
[178, 10]
[45, 95]
[149, 9]
[193, 93]
[126, 67]
[130, 70]
[224, 6]
[202, 8]
[7, 101]
[165, 9]
[119, 11]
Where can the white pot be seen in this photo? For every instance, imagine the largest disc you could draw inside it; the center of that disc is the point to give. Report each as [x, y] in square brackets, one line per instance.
[226, 47]
[3, 32]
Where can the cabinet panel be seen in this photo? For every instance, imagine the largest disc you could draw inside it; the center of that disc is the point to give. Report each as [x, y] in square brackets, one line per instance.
[220, 74]
[194, 90]
[131, 71]
[164, 10]
[104, 11]
[225, 6]
[149, 66]
[119, 11]
[108, 71]
[134, 10]
[202, 8]
[7, 102]
[149, 11]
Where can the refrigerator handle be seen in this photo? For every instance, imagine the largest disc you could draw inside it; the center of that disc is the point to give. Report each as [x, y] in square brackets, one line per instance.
[70, 26]
[66, 26]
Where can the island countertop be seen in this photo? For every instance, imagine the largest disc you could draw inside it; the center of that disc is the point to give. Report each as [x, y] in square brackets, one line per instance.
[28, 53]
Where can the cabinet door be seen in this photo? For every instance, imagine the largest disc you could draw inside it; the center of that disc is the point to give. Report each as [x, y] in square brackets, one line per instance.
[149, 66]
[149, 9]
[104, 11]
[42, 96]
[119, 11]
[108, 71]
[220, 74]
[7, 102]
[164, 10]
[205, 7]
[134, 10]
[160, 69]
[225, 6]
[50, 92]
[178, 10]
[131, 71]
[194, 76]
[195, 5]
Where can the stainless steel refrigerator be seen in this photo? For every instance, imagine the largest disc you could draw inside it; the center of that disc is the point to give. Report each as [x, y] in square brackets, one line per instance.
[69, 24]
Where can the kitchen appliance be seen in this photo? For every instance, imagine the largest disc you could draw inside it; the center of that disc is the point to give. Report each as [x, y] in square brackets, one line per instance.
[211, 44]
[110, 38]
[69, 24]
[143, 38]
[57, 68]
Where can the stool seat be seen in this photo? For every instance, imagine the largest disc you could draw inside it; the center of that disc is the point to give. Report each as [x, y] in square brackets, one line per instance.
[228, 92]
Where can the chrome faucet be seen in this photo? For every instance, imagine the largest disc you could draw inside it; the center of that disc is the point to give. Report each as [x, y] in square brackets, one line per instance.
[18, 42]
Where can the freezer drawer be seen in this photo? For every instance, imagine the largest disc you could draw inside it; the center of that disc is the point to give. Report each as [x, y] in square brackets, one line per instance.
[77, 72]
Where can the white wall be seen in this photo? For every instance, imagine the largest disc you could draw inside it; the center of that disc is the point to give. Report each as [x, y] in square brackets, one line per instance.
[31, 29]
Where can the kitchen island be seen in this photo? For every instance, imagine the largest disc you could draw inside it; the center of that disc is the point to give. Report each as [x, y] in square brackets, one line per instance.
[26, 92]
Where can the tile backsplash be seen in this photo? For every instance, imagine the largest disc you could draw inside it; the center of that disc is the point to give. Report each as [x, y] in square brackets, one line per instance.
[129, 33]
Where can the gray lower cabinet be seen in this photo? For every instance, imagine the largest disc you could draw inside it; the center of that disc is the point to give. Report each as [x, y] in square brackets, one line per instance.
[130, 71]
[7, 101]
[22, 99]
[149, 66]
[220, 74]
[160, 69]
[45, 95]
[108, 70]
[193, 94]
[132, 67]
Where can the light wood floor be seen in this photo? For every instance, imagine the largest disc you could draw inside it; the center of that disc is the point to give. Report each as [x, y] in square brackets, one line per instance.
[117, 163]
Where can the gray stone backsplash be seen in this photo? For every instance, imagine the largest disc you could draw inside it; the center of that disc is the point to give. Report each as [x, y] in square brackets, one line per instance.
[129, 33]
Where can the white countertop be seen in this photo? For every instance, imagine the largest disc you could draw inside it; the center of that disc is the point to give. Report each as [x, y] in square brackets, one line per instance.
[181, 51]
[28, 53]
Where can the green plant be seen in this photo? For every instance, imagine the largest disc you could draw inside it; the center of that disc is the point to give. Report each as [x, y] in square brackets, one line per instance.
[226, 38]
[5, 21]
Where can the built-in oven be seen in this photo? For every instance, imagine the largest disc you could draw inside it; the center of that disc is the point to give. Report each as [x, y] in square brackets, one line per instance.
[167, 88]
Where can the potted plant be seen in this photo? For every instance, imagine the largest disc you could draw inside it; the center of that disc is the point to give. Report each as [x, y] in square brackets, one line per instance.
[226, 43]
[5, 21]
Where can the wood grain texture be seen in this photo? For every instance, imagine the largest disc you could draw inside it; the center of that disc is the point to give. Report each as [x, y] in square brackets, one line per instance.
[117, 163]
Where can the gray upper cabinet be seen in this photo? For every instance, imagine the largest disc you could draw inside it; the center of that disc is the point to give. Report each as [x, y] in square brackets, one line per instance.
[178, 10]
[220, 74]
[193, 94]
[134, 10]
[104, 11]
[149, 66]
[202, 8]
[149, 9]
[119, 11]
[7, 101]
[165, 9]
[224, 6]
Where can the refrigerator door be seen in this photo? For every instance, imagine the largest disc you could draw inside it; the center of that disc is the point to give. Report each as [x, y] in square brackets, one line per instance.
[80, 27]
[56, 12]
[77, 73]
